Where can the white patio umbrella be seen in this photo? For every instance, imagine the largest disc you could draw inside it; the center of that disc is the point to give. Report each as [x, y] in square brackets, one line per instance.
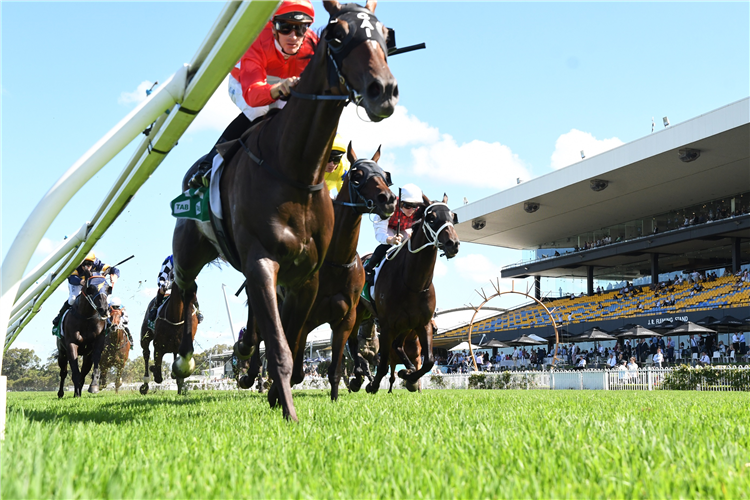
[463, 346]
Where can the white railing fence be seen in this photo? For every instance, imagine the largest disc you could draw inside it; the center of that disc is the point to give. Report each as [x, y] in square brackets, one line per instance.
[171, 108]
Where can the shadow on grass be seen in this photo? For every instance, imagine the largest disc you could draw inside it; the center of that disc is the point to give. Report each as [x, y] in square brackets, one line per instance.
[116, 410]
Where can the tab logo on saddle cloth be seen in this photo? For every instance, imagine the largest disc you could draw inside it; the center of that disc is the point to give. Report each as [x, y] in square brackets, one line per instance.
[190, 205]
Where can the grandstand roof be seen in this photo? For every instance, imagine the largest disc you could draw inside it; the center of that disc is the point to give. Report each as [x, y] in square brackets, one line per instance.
[646, 177]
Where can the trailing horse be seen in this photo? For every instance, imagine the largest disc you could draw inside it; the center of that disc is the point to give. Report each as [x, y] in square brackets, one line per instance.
[83, 334]
[404, 296]
[116, 349]
[166, 336]
[277, 215]
[365, 190]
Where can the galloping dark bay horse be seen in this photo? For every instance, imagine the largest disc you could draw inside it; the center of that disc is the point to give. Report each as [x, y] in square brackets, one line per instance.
[404, 295]
[365, 190]
[116, 349]
[277, 213]
[166, 336]
[83, 334]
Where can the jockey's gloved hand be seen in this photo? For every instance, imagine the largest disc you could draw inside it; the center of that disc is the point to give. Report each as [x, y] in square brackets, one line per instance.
[283, 88]
[394, 240]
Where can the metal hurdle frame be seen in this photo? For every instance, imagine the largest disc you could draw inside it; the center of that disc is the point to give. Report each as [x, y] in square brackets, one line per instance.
[171, 108]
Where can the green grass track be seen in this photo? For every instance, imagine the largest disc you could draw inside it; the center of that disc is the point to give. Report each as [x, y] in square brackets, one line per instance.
[439, 444]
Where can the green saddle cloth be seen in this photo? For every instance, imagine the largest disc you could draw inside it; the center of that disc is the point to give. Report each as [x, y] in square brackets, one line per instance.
[57, 330]
[192, 204]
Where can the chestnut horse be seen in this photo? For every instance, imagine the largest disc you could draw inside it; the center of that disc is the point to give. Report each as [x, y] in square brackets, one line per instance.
[404, 296]
[365, 190]
[166, 336]
[278, 216]
[83, 334]
[116, 349]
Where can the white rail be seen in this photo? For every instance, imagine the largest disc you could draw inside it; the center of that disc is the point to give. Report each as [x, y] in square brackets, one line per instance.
[172, 107]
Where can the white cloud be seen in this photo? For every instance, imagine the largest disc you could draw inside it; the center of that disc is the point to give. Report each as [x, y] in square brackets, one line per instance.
[568, 147]
[477, 268]
[477, 163]
[137, 96]
[399, 130]
[440, 268]
[218, 112]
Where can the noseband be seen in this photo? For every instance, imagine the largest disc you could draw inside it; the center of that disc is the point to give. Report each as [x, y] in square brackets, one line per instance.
[431, 235]
[370, 169]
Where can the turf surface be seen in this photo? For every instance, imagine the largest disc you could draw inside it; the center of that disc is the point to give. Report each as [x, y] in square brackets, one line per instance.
[440, 444]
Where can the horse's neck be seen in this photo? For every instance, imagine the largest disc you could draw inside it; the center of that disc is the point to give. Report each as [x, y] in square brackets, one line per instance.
[417, 268]
[84, 309]
[346, 224]
[306, 128]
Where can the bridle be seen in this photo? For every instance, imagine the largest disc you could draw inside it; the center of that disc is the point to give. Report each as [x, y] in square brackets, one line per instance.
[100, 290]
[431, 235]
[363, 26]
[370, 169]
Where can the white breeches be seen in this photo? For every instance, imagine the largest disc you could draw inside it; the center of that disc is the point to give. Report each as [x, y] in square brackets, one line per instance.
[235, 93]
[73, 291]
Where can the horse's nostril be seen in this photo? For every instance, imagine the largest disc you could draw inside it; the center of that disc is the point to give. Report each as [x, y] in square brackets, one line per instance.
[382, 199]
[395, 91]
[374, 90]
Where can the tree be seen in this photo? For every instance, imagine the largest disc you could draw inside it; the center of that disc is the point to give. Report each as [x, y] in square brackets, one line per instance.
[18, 362]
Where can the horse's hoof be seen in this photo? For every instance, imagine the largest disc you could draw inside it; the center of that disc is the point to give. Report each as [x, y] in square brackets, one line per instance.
[144, 389]
[242, 351]
[183, 367]
[412, 386]
[94, 389]
[60, 395]
[355, 384]
[245, 382]
[403, 373]
[370, 388]
[273, 398]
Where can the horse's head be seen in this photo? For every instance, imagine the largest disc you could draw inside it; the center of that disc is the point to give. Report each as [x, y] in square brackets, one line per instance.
[356, 42]
[368, 185]
[95, 290]
[437, 224]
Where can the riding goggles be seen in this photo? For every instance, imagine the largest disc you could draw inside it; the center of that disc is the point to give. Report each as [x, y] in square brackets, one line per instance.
[408, 205]
[285, 28]
[335, 156]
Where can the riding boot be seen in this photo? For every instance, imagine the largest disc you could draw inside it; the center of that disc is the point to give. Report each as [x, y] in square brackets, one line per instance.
[59, 316]
[375, 259]
[234, 131]
[152, 312]
[198, 314]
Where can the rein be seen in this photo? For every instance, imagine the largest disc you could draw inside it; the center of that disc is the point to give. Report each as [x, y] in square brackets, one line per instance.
[432, 235]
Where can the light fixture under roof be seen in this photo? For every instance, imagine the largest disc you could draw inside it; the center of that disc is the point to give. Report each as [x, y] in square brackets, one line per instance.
[531, 207]
[599, 184]
[687, 154]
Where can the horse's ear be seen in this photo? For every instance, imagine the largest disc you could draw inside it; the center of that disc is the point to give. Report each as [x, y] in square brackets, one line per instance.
[332, 7]
[371, 4]
[445, 198]
[376, 156]
[426, 201]
[350, 154]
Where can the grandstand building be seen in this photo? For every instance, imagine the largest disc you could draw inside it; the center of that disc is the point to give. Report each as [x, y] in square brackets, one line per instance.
[669, 204]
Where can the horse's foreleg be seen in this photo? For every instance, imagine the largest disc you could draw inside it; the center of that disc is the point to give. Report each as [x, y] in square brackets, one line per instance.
[75, 373]
[261, 274]
[184, 363]
[425, 340]
[62, 362]
[253, 370]
[340, 335]
[398, 347]
[156, 368]
[145, 341]
[374, 385]
[392, 378]
[96, 357]
[246, 347]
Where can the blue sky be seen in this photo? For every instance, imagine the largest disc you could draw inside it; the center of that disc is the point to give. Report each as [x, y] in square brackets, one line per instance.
[504, 90]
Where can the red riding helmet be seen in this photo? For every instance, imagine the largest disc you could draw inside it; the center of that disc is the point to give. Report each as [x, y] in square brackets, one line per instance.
[300, 11]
